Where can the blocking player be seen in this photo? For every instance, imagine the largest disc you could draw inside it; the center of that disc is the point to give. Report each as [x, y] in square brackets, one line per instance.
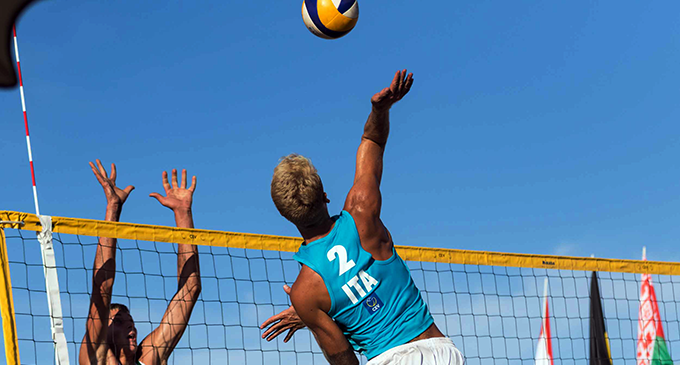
[110, 335]
[353, 291]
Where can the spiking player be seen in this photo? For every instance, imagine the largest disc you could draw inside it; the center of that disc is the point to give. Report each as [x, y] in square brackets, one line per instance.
[353, 291]
[110, 335]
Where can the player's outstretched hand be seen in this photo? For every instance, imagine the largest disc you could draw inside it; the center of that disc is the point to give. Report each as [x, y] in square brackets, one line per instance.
[114, 195]
[400, 86]
[177, 197]
[286, 320]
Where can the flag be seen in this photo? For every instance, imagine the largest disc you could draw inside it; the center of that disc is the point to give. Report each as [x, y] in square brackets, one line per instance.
[544, 355]
[599, 342]
[651, 343]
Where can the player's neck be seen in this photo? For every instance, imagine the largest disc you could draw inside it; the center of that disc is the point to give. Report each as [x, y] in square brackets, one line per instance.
[317, 231]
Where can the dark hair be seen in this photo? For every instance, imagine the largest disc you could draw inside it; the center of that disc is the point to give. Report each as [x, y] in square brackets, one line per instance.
[119, 307]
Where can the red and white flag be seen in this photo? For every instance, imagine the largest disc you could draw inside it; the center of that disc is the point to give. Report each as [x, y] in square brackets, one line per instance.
[651, 344]
[544, 354]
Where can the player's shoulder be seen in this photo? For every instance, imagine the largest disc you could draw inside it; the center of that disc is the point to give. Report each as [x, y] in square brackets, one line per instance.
[362, 200]
[373, 236]
[147, 352]
[308, 289]
[307, 279]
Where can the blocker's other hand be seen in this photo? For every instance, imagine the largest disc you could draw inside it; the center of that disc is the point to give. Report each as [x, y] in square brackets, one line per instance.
[177, 197]
[114, 194]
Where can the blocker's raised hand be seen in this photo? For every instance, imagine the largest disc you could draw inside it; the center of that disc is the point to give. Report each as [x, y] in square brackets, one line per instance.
[114, 195]
[401, 84]
[177, 197]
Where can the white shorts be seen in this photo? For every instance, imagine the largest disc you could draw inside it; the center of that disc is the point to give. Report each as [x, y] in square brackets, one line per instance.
[431, 351]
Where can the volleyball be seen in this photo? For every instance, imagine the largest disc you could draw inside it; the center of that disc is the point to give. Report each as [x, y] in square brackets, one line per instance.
[330, 19]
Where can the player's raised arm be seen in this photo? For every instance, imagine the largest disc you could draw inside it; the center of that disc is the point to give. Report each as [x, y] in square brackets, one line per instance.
[364, 200]
[93, 349]
[158, 345]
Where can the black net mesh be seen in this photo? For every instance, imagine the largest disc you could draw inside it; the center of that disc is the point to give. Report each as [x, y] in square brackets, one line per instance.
[492, 314]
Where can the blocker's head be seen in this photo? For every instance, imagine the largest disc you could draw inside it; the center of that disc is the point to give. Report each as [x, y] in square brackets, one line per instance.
[297, 191]
[122, 333]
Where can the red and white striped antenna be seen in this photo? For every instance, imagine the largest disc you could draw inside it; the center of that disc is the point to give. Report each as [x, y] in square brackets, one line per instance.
[46, 248]
[23, 107]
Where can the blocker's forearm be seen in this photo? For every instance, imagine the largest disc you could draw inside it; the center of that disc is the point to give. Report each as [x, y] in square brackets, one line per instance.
[105, 257]
[184, 218]
[187, 256]
[188, 272]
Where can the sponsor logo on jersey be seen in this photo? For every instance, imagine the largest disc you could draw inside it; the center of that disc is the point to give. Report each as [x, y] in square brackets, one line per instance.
[372, 303]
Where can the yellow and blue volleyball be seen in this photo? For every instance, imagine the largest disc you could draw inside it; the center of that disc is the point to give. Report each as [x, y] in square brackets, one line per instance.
[330, 19]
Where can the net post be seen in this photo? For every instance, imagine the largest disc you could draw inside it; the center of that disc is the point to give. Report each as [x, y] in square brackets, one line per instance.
[52, 287]
[9, 327]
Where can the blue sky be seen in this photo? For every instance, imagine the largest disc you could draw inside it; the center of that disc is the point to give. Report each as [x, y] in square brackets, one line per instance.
[531, 127]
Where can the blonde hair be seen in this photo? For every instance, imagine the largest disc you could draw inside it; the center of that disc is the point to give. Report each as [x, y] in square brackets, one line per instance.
[297, 191]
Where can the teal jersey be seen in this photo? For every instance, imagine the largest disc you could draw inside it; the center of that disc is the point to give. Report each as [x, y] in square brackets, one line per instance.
[375, 303]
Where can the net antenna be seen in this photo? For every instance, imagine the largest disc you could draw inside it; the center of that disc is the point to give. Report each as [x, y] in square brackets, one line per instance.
[45, 239]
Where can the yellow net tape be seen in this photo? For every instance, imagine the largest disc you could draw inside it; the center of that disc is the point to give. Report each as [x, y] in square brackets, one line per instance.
[97, 228]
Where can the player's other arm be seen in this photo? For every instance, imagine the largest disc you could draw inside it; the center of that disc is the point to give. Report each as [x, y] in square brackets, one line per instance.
[364, 200]
[158, 345]
[309, 297]
[93, 348]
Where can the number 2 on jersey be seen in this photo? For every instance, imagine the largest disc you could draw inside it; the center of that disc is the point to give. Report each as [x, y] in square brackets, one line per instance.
[341, 253]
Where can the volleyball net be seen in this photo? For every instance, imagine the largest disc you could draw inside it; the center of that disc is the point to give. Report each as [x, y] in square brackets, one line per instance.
[490, 304]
